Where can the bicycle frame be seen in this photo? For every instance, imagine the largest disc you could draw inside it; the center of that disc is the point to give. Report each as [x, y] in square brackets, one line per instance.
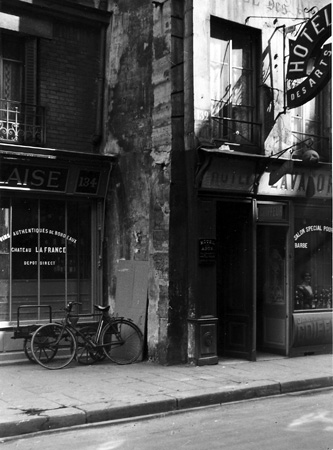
[119, 339]
[105, 319]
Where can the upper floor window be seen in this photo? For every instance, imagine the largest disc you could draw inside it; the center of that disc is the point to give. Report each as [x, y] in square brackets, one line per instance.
[21, 120]
[234, 81]
[310, 125]
[12, 66]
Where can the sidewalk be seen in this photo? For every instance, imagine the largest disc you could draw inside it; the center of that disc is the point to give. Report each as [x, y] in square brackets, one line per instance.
[33, 398]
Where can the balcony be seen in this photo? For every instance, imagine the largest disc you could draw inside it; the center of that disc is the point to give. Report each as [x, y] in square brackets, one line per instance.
[21, 123]
[306, 141]
[236, 132]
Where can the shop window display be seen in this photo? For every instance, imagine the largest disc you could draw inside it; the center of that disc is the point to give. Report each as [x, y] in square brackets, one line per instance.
[45, 251]
[313, 259]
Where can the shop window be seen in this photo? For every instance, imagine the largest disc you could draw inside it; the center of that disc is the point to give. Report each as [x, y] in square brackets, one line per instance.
[4, 260]
[45, 256]
[310, 125]
[313, 259]
[234, 82]
[21, 120]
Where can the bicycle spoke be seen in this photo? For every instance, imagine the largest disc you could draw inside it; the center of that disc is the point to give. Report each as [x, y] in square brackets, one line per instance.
[53, 346]
[86, 353]
[122, 341]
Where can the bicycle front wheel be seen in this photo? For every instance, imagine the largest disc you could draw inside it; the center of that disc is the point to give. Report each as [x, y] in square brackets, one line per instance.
[53, 346]
[122, 341]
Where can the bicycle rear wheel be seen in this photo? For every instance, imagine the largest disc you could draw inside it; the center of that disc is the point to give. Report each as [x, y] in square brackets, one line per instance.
[122, 341]
[53, 346]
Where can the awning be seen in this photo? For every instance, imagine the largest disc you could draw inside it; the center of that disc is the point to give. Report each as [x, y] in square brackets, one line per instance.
[237, 172]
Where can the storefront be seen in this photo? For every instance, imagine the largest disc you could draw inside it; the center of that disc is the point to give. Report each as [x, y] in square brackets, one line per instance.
[51, 231]
[268, 223]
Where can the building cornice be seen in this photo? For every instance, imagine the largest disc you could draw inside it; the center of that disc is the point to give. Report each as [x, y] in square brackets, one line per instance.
[61, 9]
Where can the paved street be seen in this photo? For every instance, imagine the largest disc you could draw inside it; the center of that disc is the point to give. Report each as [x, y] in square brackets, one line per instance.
[302, 421]
[35, 399]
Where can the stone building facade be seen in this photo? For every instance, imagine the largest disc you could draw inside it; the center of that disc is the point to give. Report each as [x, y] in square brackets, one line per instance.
[218, 191]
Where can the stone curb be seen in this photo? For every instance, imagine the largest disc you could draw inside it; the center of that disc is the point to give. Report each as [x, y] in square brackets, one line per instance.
[102, 412]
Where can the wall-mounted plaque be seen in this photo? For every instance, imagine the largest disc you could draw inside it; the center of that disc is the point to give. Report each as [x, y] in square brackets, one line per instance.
[207, 251]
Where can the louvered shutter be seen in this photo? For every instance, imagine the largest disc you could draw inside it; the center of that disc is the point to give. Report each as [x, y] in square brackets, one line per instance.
[30, 125]
[30, 88]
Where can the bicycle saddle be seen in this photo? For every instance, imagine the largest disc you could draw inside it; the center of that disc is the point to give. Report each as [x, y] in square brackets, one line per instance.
[102, 308]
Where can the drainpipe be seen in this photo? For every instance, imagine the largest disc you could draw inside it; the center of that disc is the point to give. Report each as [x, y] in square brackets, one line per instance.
[100, 91]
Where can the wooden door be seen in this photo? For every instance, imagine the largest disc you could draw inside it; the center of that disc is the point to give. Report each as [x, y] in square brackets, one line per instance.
[272, 282]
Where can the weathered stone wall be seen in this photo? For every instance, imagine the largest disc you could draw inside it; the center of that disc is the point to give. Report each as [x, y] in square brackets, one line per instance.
[140, 106]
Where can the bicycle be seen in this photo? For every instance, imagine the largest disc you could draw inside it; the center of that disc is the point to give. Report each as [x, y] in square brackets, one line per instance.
[55, 345]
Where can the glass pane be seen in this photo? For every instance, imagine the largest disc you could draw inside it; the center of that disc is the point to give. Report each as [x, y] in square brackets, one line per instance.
[12, 46]
[79, 255]
[242, 87]
[219, 51]
[4, 262]
[219, 69]
[313, 259]
[241, 52]
[297, 124]
[12, 81]
[25, 240]
[271, 265]
[52, 254]
[311, 109]
[312, 127]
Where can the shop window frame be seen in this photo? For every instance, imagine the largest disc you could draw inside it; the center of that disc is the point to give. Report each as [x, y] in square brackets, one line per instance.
[314, 210]
[94, 289]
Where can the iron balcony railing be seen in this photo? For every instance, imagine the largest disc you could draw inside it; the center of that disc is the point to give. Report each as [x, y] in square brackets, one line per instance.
[235, 131]
[306, 141]
[21, 123]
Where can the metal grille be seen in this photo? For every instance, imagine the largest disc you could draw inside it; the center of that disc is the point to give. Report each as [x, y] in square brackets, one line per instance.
[21, 123]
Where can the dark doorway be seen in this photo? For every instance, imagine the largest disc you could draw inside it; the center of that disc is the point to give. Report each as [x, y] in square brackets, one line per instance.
[235, 275]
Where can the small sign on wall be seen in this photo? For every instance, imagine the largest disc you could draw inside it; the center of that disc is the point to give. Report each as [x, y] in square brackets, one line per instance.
[207, 251]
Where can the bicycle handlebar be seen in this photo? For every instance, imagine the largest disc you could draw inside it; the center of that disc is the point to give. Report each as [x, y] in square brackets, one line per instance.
[70, 306]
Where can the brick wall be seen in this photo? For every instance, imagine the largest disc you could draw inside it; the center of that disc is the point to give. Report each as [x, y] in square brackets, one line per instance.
[68, 77]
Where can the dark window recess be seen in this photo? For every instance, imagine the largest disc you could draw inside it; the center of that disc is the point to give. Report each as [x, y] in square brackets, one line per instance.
[21, 118]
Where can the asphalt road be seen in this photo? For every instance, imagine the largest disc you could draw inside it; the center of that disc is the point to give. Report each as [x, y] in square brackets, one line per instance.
[302, 421]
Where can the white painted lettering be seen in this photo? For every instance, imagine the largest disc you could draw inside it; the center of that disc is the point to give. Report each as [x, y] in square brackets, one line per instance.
[317, 25]
[53, 181]
[14, 177]
[327, 20]
[312, 82]
[38, 176]
[296, 66]
[300, 50]
[304, 33]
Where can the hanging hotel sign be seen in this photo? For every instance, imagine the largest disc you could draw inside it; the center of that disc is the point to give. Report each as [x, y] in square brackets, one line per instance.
[309, 66]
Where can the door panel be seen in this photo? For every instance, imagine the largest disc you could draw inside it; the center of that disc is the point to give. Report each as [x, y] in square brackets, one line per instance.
[271, 288]
[235, 280]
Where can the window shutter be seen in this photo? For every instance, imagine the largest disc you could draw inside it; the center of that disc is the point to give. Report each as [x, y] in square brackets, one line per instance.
[30, 91]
